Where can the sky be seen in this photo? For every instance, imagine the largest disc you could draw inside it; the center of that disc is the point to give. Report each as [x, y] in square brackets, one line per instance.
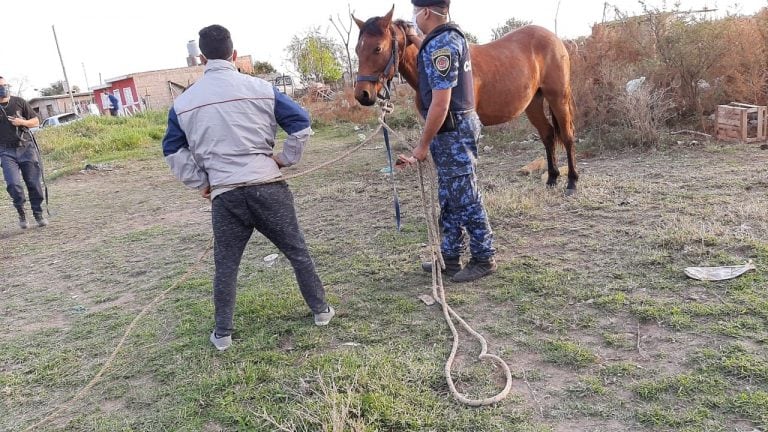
[99, 42]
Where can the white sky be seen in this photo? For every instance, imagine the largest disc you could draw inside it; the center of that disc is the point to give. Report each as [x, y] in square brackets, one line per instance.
[100, 40]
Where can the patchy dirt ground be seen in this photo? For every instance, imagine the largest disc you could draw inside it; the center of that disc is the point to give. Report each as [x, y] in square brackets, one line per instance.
[590, 306]
[98, 250]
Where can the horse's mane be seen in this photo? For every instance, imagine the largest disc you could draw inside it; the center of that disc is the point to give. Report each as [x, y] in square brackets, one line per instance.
[402, 23]
[372, 27]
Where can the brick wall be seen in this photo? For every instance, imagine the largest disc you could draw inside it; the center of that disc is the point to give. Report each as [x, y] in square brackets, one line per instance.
[244, 64]
[156, 90]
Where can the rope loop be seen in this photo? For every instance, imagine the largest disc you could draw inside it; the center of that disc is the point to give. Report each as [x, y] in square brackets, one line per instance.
[426, 184]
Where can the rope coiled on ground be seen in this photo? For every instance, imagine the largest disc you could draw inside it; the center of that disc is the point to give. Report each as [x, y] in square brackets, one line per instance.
[426, 182]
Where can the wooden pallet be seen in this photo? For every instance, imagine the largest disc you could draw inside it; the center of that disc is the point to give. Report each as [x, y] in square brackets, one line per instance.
[732, 122]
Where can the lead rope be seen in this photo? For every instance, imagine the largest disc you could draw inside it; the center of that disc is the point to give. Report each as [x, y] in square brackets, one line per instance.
[61, 408]
[157, 300]
[431, 217]
[386, 108]
[430, 205]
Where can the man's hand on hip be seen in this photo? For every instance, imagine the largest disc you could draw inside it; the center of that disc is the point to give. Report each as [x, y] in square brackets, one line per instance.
[206, 192]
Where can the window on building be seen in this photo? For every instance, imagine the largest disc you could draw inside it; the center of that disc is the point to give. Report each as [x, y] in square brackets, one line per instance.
[128, 96]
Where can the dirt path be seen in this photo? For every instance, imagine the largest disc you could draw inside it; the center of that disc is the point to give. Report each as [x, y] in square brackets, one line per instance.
[582, 284]
[108, 229]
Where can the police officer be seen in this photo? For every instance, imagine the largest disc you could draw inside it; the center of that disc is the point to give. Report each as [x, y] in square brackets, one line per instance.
[19, 156]
[451, 133]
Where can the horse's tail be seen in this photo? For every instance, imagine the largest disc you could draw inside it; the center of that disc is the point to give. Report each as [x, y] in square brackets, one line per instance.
[556, 126]
[571, 107]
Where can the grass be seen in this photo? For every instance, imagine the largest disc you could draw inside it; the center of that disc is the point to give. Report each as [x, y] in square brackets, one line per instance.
[567, 353]
[96, 140]
[754, 405]
[589, 300]
[682, 386]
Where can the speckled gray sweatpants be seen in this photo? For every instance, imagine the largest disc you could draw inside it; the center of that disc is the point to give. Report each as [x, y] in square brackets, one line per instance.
[269, 210]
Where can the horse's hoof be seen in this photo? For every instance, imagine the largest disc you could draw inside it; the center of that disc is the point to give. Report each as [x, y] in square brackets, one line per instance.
[570, 192]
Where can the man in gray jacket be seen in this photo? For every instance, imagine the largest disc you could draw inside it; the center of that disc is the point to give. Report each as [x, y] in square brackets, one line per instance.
[220, 138]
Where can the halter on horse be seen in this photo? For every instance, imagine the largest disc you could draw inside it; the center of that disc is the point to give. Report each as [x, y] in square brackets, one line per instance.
[389, 72]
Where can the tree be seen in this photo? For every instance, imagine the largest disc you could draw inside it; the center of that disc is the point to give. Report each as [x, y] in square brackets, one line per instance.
[345, 38]
[689, 49]
[511, 24]
[315, 57]
[57, 88]
[471, 38]
[263, 68]
[18, 85]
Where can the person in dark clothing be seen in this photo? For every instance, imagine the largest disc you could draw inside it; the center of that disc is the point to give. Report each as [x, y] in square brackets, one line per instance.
[19, 156]
[451, 133]
[220, 140]
[114, 105]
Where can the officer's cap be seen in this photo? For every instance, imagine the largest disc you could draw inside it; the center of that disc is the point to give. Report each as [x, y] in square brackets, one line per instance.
[425, 3]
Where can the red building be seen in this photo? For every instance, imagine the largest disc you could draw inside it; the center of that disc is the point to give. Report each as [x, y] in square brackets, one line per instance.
[155, 90]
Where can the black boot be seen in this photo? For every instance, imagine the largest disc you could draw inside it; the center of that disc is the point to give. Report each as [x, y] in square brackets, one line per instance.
[22, 218]
[40, 218]
[475, 270]
[452, 266]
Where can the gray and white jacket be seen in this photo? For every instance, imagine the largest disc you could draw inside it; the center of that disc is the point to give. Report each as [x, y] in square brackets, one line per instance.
[222, 130]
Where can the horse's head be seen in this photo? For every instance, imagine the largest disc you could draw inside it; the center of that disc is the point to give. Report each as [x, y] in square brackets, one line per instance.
[378, 51]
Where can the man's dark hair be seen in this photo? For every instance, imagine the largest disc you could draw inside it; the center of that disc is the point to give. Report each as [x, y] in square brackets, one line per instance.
[215, 42]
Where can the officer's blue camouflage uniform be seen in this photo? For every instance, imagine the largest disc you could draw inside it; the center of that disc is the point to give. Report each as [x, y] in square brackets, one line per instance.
[444, 63]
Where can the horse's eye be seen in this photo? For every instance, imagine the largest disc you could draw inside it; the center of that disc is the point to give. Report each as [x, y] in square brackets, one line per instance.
[378, 50]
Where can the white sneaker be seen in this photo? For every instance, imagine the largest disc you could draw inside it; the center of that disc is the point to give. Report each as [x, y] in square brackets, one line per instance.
[323, 318]
[220, 342]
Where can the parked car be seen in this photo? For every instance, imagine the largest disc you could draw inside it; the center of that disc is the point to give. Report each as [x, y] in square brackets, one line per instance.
[289, 85]
[56, 120]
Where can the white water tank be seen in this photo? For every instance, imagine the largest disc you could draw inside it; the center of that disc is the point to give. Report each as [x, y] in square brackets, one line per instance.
[192, 48]
[194, 53]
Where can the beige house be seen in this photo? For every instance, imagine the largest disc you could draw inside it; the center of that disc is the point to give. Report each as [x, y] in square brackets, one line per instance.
[48, 106]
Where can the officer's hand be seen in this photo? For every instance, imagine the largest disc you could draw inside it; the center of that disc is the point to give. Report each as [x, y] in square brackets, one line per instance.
[404, 161]
[16, 121]
[420, 153]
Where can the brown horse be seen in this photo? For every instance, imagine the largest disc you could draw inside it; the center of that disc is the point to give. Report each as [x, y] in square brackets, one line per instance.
[512, 75]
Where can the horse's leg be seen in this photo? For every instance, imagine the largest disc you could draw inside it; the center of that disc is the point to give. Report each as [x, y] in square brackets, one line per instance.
[535, 113]
[562, 118]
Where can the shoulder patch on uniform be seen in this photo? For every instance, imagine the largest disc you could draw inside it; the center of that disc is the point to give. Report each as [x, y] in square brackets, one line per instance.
[442, 60]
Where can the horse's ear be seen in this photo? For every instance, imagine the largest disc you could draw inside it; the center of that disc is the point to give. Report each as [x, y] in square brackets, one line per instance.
[388, 17]
[359, 23]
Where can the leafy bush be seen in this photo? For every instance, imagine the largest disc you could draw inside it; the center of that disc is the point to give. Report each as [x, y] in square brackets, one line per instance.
[343, 108]
[692, 64]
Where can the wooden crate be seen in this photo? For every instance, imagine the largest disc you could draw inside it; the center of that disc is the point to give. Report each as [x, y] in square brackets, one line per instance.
[732, 122]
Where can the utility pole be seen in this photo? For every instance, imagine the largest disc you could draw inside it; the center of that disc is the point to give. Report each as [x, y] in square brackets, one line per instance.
[63, 69]
[85, 74]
